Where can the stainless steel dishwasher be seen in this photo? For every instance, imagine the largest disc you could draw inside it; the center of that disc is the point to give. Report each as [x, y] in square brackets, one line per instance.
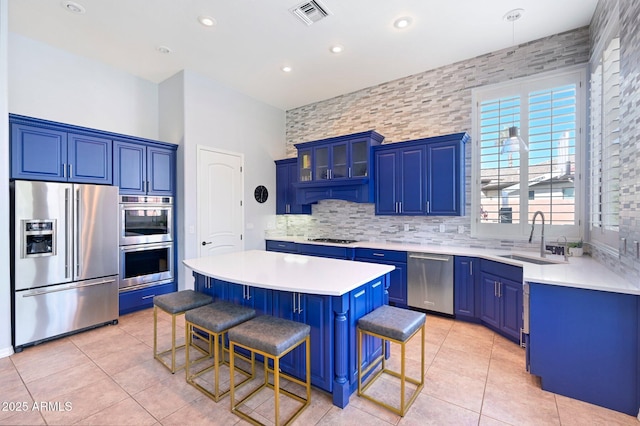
[430, 282]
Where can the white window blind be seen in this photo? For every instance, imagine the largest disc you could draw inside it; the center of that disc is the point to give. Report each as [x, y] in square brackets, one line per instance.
[605, 145]
[510, 183]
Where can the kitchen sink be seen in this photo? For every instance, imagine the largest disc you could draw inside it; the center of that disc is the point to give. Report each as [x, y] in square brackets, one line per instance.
[536, 260]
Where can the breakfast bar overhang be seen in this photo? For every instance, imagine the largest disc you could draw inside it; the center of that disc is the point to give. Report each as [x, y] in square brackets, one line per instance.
[328, 294]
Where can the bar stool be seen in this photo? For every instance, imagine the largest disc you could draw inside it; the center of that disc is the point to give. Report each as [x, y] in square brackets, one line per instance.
[395, 325]
[272, 338]
[215, 320]
[176, 304]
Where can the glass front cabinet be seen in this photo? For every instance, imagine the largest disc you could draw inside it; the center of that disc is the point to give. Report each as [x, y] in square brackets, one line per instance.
[328, 167]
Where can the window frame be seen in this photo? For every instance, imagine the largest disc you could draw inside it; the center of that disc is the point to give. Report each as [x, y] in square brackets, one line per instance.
[523, 87]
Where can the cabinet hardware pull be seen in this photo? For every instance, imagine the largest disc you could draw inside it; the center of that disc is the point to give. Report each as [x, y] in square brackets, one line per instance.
[148, 297]
[471, 267]
[293, 298]
[349, 171]
[428, 208]
[495, 288]
[64, 170]
[399, 206]
[70, 171]
[379, 254]
[299, 310]
[522, 345]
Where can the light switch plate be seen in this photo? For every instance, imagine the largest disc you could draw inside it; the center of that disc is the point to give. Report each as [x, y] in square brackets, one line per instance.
[443, 227]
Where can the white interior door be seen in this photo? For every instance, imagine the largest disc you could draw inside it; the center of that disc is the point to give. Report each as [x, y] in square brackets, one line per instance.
[220, 200]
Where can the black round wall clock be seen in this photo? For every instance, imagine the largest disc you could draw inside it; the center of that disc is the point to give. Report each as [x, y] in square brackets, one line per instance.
[261, 193]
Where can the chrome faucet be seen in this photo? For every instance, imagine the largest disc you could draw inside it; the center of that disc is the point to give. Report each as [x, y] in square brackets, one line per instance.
[533, 225]
[566, 249]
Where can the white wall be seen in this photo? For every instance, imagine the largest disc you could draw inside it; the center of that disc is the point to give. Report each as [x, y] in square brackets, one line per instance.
[219, 117]
[5, 288]
[53, 84]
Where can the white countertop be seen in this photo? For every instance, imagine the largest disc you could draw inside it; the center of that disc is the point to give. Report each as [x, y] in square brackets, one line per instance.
[579, 272]
[288, 272]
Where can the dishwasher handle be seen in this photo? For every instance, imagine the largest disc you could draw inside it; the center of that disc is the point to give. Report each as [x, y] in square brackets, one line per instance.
[430, 257]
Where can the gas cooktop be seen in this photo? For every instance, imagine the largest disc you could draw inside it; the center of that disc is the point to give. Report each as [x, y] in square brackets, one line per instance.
[332, 240]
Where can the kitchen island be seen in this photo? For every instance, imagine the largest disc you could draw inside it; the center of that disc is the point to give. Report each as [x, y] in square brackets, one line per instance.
[328, 294]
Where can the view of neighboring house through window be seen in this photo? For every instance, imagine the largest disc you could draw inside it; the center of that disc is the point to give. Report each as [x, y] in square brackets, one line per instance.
[514, 180]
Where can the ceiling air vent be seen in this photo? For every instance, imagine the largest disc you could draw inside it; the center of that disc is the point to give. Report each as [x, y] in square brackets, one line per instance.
[310, 11]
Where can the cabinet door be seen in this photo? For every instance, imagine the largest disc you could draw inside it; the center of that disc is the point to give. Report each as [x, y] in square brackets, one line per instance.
[305, 167]
[510, 308]
[464, 287]
[291, 199]
[160, 171]
[411, 181]
[283, 307]
[398, 286]
[386, 166]
[282, 188]
[444, 179]
[316, 311]
[489, 303]
[130, 167]
[90, 159]
[259, 299]
[359, 161]
[339, 160]
[38, 153]
[321, 160]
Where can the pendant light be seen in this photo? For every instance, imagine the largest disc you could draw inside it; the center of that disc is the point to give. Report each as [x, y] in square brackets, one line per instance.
[513, 142]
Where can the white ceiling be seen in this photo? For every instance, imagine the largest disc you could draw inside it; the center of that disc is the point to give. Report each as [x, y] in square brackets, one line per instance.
[253, 39]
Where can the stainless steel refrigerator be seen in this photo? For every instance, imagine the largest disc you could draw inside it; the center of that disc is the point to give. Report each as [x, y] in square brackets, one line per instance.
[64, 258]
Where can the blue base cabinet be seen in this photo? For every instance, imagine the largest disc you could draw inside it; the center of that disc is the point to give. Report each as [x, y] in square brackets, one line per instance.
[314, 310]
[334, 252]
[281, 246]
[135, 300]
[398, 285]
[584, 344]
[501, 298]
[333, 321]
[465, 272]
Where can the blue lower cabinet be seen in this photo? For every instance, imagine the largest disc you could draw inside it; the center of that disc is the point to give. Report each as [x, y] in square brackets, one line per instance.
[584, 344]
[398, 285]
[135, 300]
[465, 272]
[501, 298]
[281, 246]
[335, 252]
[314, 310]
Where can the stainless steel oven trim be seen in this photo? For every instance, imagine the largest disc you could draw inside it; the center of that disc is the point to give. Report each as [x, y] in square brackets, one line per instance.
[126, 283]
[146, 239]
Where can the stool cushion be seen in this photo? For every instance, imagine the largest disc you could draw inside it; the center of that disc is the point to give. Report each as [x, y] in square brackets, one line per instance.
[181, 301]
[394, 323]
[269, 334]
[219, 316]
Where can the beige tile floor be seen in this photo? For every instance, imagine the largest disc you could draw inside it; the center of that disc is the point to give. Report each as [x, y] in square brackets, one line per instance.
[107, 376]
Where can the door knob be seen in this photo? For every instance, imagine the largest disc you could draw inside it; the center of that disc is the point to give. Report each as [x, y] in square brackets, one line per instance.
[205, 243]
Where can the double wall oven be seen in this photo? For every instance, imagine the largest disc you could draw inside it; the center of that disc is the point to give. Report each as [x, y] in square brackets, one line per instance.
[146, 241]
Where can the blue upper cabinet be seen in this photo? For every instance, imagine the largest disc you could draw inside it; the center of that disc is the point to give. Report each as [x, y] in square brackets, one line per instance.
[421, 177]
[41, 150]
[286, 176]
[339, 168]
[143, 169]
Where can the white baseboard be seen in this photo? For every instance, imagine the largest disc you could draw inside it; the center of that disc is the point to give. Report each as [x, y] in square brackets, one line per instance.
[5, 352]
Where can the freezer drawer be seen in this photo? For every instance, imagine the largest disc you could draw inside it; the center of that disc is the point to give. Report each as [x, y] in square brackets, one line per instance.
[54, 310]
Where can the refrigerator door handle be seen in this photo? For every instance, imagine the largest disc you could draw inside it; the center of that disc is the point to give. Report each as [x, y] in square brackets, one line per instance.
[67, 249]
[77, 227]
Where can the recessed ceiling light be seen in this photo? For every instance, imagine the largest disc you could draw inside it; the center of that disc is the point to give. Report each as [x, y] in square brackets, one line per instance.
[513, 15]
[207, 21]
[164, 49]
[73, 7]
[403, 22]
[336, 48]
[287, 68]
